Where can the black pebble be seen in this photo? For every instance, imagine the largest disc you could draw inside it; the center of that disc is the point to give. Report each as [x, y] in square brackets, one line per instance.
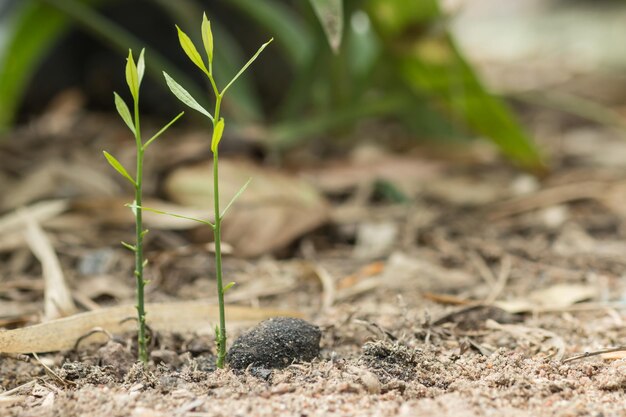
[275, 343]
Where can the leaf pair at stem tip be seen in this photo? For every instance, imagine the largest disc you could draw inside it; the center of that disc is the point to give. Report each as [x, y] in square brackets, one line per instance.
[192, 53]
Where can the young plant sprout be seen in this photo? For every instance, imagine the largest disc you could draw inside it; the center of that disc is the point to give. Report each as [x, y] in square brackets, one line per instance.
[134, 75]
[218, 130]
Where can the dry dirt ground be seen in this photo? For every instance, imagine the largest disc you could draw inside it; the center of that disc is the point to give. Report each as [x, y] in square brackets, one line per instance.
[453, 286]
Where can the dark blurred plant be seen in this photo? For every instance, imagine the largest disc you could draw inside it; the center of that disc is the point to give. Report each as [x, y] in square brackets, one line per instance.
[349, 60]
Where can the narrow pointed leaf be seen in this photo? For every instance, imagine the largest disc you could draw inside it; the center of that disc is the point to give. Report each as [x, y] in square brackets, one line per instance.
[178, 216]
[235, 197]
[122, 109]
[330, 15]
[118, 167]
[129, 246]
[190, 50]
[141, 66]
[228, 287]
[184, 96]
[131, 76]
[207, 38]
[163, 129]
[245, 67]
[218, 131]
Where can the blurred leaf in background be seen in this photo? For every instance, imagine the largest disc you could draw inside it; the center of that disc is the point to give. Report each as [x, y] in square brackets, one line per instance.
[29, 29]
[337, 62]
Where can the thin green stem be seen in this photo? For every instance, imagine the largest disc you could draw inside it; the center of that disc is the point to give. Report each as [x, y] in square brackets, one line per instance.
[221, 336]
[139, 234]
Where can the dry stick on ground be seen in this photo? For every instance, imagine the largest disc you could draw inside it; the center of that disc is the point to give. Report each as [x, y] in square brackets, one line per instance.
[327, 280]
[594, 353]
[52, 373]
[17, 389]
[500, 284]
[57, 296]
[595, 190]
[62, 334]
[483, 269]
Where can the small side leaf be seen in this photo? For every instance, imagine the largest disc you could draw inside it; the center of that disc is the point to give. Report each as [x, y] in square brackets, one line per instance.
[228, 287]
[163, 129]
[132, 79]
[207, 38]
[245, 67]
[218, 131]
[122, 109]
[178, 216]
[190, 50]
[235, 197]
[118, 167]
[141, 66]
[184, 96]
[129, 246]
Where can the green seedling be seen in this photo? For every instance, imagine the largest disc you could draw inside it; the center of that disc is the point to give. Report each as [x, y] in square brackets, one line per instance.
[134, 75]
[218, 126]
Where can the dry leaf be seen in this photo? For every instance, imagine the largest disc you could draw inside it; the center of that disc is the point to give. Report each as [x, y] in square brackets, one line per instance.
[59, 177]
[273, 211]
[555, 297]
[411, 270]
[190, 316]
[563, 295]
[40, 212]
[462, 191]
[406, 173]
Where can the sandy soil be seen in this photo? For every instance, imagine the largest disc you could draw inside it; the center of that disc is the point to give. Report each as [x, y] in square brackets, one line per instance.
[490, 283]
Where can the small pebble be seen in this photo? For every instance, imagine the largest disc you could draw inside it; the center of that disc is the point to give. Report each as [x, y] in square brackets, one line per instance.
[276, 343]
[371, 382]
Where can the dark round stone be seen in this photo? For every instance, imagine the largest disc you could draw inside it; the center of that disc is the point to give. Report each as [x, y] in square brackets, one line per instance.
[275, 343]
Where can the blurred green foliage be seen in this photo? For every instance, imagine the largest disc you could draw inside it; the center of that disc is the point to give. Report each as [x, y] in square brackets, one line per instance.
[348, 60]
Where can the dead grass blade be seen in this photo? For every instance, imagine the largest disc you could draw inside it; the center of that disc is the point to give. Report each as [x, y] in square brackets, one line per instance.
[190, 316]
[57, 296]
[40, 212]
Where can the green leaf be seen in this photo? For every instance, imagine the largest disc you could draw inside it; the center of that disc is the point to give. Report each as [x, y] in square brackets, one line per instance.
[428, 62]
[28, 30]
[207, 38]
[141, 66]
[118, 167]
[218, 131]
[245, 67]
[163, 129]
[178, 216]
[330, 15]
[235, 197]
[122, 109]
[132, 78]
[228, 287]
[190, 50]
[128, 246]
[184, 96]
